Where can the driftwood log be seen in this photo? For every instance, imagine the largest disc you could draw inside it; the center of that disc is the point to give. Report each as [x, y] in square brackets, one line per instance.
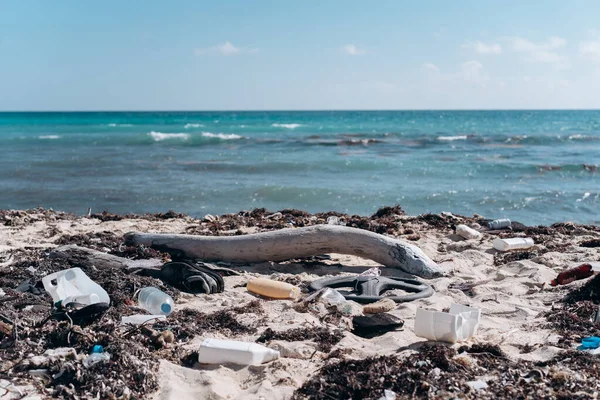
[77, 256]
[287, 244]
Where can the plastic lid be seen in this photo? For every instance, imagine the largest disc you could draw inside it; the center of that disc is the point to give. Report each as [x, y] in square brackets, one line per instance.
[165, 307]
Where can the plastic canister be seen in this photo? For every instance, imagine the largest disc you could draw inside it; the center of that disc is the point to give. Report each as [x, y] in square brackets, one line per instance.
[273, 289]
[459, 324]
[74, 286]
[512, 243]
[216, 351]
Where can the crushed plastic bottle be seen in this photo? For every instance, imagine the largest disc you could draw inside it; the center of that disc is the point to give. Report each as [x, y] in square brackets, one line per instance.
[97, 356]
[155, 301]
[574, 274]
[74, 286]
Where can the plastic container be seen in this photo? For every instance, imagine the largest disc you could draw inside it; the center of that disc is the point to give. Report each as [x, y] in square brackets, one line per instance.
[74, 286]
[500, 224]
[155, 301]
[466, 232]
[97, 356]
[574, 274]
[273, 289]
[139, 319]
[512, 244]
[459, 324]
[216, 351]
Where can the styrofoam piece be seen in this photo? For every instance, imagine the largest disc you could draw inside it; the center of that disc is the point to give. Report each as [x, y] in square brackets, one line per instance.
[74, 286]
[216, 351]
[139, 319]
[459, 324]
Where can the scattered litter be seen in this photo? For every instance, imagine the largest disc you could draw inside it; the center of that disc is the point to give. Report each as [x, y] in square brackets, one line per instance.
[216, 351]
[28, 286]
[139, 319]
[381, 306]
[273, 289]
[388, 395]
[155, 301]
[589, 343]
[503, 223]
[97, 356]
[374, 325]
[477, 385]
[333, 220]
[74, 286]
[375, 271]
[512, 244]
[574, 274]
[467, 233]
[459, 324]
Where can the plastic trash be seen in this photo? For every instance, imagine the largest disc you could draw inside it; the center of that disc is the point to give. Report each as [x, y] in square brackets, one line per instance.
[477, 385]
[459, 324]
[139, 319]
[97, 356]
[589, 343]
[333, 220]
[512, 244]
[574, 274]
[466, 232]
[375, 271]
[500, 224]
[74, 286]
[388, 395]
[216, 351]
[155, 301]
[273, 289]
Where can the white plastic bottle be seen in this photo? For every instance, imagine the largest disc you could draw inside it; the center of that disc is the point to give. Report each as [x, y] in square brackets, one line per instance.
[512, 244]
[467, 232]
[155, 301]
[273, 289]
[500, 223]
[74, 286]
[216, 351]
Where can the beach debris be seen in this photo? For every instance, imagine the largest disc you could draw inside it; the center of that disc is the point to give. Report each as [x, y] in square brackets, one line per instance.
[216, 351]
[589, 343]
[322, 336]
[334, 220]
[323, 300]
[369, 289]
[466, 232]
[590, 243]
[273, 289]
[388, 395]
[155, 301]
[375, 271]
[189, 276]
[477, 385]
[512, 243]
[582, 271]
[97, 356]
[74, 286]
[458, 324]
[285, 244]
[381, 306]
[375, 325]
[141, 319]
[503, 223]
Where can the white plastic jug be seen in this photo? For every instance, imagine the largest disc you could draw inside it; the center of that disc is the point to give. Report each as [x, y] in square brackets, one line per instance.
[512, 243]
[459, 324]
[216, 351]
[74, 286]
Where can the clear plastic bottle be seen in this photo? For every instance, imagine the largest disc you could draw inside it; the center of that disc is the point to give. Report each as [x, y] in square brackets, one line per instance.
[466, 232]
[500, 223]
[155, 301]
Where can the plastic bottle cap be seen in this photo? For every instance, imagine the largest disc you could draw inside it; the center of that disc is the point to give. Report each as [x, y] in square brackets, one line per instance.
[165, 307]
[97, 348]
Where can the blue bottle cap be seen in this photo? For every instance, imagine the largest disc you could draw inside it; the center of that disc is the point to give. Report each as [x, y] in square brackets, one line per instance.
[97, 348]
[166, 308]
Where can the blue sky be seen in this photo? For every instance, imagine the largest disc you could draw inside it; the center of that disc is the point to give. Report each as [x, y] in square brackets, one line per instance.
[197, 55]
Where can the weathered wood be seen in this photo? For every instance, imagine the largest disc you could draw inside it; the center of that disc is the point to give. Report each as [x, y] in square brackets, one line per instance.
[287, 244]
[83, 257]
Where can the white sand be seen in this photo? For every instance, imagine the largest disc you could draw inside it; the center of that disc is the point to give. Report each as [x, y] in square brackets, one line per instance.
[511, 298]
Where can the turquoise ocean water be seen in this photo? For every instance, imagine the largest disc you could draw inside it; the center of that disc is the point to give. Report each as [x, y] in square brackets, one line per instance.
[536, 167]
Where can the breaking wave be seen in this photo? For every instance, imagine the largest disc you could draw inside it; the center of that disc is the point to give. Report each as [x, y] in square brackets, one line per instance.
[159, 136]
[287, 126]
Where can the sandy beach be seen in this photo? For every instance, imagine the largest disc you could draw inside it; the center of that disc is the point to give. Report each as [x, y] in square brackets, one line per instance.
[524, 347]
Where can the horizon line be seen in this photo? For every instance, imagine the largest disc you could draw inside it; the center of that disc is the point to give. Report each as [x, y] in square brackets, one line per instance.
[300, 110]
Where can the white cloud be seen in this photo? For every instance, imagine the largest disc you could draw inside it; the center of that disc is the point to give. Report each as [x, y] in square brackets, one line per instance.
[483, 48]
[590, 49]
[225, 49]
[431, 67]
[541, 52]
[473, 72]
[353, 50]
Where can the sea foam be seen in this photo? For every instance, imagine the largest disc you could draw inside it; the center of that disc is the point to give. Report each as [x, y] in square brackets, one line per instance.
[287, 126]
[452, 138]
[159, 136]
[46, 137]
[223, 136]
[188, 126]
